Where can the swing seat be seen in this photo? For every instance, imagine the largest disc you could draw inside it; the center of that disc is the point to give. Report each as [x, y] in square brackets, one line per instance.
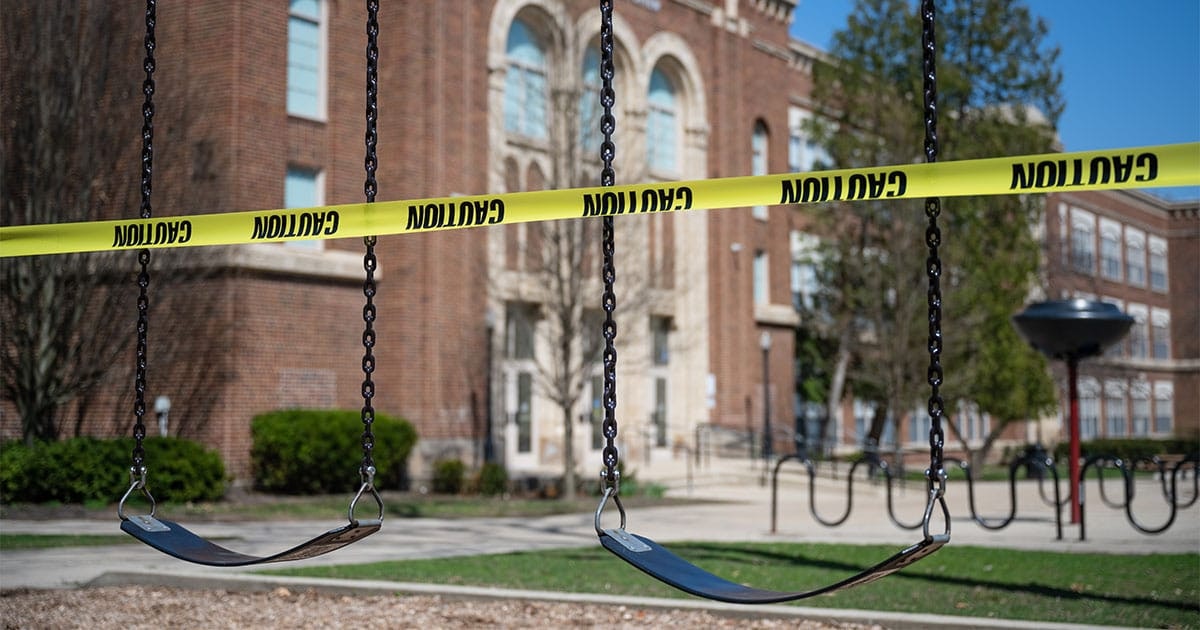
[664, 566]
[176, 540]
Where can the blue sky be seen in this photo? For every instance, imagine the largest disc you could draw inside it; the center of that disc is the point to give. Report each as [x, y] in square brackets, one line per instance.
[1131, 68]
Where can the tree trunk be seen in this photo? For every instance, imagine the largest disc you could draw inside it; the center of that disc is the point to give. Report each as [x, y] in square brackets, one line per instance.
[568, 455]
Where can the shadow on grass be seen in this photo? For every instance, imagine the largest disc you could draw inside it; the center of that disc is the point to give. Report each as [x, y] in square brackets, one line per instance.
[701, 552]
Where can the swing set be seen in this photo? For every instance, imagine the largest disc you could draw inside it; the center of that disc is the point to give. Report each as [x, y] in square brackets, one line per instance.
[643, 553]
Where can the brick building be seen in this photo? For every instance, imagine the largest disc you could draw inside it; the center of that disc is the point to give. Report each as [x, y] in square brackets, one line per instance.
[488, 96]
[1140, 253]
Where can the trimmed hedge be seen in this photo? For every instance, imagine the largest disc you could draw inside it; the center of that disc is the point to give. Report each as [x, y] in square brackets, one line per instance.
[89, 470]
[1130, 449]
[318, 451]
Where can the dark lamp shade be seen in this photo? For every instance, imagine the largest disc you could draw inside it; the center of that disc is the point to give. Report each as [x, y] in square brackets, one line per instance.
[1072, 329]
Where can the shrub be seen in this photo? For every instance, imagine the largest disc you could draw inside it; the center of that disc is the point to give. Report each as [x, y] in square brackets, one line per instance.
[318, 451]
[448, 476]
[1128, 449]
[85, 469]
[492, 480]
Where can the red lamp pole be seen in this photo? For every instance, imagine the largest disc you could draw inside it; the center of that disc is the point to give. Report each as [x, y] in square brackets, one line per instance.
[1073, 428]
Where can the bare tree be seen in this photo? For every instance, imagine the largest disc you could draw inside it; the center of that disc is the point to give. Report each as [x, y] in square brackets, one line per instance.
[69, 120]
[71, 111]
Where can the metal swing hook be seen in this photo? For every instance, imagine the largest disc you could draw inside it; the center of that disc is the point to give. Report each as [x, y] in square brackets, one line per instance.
[937, 495]
[368, 485]
[612, 490]
[137, 481]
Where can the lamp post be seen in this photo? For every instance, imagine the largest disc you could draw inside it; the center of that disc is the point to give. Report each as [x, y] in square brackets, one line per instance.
[765, 342]
[489, 450]
[1072, 330]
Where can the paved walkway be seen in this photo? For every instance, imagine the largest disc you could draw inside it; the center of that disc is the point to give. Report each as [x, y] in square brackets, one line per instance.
[741, 512]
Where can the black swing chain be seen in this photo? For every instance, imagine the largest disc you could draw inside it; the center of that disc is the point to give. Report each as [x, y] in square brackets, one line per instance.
[371, 163]
[138, 470]
[933, 239]
[609, 476]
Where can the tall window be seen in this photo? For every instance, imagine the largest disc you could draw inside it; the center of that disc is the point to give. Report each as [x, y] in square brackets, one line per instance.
[660, 412]
[597, 412]
[1140, 393]
[1110, 249]
[524, 417]
[1160, 333]
[525, 86]
[303, 188]
[758, 161]
[1089, 409]
[1118, 348]
[1135, 257]
[1139, 334]
[519, 322]
[662, 125]
[589, 103]
[1114, 409]
[306, 59]
[1158, 264]
[660, 333]
[919, 424]
[804, 279]
[1083, 243]
[1164, 400]
[762, 291]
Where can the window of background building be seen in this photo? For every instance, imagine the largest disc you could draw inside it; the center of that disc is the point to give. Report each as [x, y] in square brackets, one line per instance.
[306, 59]
[1089, 408]
[1110, 249]
[919, 424]
[660, 333]
[589, 104]
[1083, 241]
[303, 188]
[1164, 411]
[805, 281]
[1160, 333]
[597, 412]
[1135, 257]
[662, 126]
[762, 290]
[1139, 393]
[1118, 348]
[525, 86]
[1139, 333]
[524, 417]
[660, 412]
[758, 162]
[1114, 408]
[1158, 264]
[519, 321]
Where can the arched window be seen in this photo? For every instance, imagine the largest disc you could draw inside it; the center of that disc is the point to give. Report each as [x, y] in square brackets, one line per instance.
[589, 103]
[758, 161]
[525, 88]
[662, 125]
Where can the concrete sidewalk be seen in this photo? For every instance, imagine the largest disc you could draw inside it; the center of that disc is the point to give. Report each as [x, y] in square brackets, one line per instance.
[741, 512]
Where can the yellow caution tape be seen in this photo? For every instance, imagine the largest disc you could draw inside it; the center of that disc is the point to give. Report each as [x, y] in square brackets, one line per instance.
[1146, 167]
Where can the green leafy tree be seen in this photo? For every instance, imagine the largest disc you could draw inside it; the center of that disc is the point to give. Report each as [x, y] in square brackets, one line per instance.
[998, 94]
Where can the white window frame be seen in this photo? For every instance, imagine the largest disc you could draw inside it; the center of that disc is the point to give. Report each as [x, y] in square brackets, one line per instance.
[1157, 265]
[1112, 265]
[674, 115]
[760, 143]
[1115, 407]
[762, 277]
[1164, 399]
[1160, 333]
[322, 23]
[317, 177]
[1083, 241]
[1135, 257]
[1139, 333]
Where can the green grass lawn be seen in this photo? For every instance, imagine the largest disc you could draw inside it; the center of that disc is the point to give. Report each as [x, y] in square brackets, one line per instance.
[1148, 591]
[13, 542]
